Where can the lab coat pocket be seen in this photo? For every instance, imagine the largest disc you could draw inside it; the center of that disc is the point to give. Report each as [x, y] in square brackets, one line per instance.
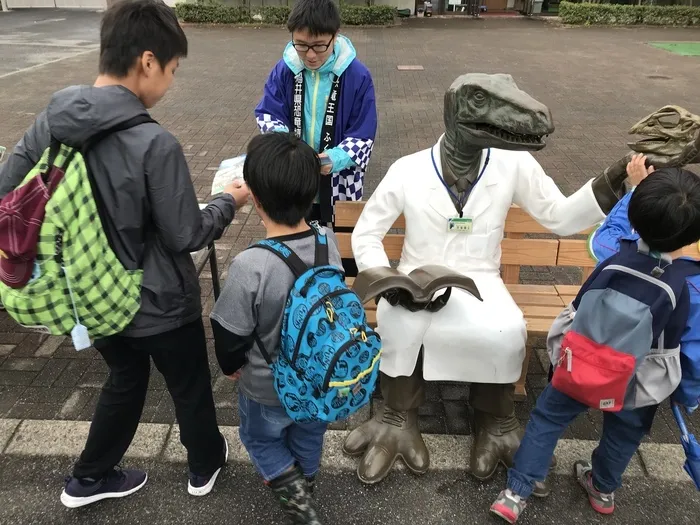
[484, 245]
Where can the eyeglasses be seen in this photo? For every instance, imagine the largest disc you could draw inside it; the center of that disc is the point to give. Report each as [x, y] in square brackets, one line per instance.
[318, 48]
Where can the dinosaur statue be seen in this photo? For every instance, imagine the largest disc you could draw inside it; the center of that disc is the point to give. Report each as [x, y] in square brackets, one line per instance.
[672, 140]
[465, 183]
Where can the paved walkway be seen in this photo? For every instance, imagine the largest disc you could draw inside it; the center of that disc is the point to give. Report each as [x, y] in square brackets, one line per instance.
[596, 81]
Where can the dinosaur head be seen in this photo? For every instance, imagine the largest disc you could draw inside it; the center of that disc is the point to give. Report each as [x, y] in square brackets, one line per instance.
[489, 111]
[671, 132]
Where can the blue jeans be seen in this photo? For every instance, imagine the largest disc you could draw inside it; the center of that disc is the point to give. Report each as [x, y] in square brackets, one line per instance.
[622, 433]
[275, 443]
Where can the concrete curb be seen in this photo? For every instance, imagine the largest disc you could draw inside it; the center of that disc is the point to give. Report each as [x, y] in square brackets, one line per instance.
[447, 452]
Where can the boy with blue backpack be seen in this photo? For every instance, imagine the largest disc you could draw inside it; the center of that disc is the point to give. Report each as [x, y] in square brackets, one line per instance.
[629, 341]
[288, 328]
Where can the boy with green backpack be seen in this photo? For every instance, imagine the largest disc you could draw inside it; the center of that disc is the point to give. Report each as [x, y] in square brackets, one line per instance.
[98, 218]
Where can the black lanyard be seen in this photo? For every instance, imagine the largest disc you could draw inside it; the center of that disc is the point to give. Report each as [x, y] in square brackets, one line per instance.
[325, 193]
[329, 120]
[460, 202]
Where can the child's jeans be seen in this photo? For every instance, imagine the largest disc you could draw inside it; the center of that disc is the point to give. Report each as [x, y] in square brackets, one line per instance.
[275, 442]
[622, 433]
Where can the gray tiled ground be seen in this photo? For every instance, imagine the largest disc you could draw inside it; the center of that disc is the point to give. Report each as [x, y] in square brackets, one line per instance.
[596, 81]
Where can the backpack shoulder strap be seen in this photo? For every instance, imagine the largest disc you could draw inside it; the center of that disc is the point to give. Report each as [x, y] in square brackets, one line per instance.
[321, 258]
[284, 252]
[143, 118]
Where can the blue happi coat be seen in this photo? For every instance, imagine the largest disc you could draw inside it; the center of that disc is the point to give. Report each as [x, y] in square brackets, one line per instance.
[356, 114]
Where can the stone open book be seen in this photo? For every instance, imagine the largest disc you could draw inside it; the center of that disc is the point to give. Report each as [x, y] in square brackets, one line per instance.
[422, 283]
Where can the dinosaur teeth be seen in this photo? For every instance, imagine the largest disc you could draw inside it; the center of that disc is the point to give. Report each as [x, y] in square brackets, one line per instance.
[507, 135]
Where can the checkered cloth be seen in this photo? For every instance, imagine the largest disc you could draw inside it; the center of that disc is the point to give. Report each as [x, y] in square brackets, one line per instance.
[267, 123]
[347, 185]
[74, 257]
[359, 150]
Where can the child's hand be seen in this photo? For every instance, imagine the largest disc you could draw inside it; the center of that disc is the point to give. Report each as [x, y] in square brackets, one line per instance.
[637, 170]
[239, 191]
[326, 164]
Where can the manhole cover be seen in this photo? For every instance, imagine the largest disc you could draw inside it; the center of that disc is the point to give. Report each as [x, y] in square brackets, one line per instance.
[688, 49]
[659, 77]
[410, 68]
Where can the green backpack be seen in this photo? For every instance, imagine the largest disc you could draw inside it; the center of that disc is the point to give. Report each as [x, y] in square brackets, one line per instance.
[78, 286]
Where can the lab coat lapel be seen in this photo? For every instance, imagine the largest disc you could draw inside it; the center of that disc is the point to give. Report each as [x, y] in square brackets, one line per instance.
[439, 199]
[479, 200]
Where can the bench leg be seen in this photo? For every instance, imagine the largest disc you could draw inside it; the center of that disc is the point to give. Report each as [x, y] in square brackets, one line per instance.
[214, 266]
[520, 392]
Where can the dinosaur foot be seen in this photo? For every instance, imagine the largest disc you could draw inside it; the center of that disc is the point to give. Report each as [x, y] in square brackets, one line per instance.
[389, 435]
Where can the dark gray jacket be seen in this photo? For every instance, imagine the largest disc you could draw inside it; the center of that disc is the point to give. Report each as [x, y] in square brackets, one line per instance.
[152, 217]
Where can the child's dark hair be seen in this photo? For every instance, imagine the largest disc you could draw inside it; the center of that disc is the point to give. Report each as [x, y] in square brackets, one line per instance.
[130, 28]
[282, 172]
[318, 17]
[665, 209]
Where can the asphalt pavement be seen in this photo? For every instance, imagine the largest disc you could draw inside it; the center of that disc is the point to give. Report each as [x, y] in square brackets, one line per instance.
[29, 490]
[34, 37]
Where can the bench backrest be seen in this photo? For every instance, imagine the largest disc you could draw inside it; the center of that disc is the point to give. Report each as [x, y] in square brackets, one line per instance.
[516, 251]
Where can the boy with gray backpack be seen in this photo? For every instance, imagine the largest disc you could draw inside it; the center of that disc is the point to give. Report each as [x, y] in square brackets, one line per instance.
[628, 341]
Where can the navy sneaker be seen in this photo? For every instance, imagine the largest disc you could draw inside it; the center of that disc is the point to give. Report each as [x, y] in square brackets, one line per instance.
[117, 483]
[202, 485]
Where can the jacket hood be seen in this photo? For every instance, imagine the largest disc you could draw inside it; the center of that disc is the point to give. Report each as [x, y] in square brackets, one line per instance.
[77, 113]
[343, 55]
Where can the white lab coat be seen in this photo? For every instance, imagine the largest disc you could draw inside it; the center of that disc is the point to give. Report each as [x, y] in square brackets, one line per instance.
[468, 340]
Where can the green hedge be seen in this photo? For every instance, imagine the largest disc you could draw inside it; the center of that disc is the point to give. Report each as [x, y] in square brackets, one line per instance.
[213, 13]
[618, 14]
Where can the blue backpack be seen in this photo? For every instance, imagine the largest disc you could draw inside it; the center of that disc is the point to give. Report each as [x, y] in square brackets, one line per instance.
[328, 362]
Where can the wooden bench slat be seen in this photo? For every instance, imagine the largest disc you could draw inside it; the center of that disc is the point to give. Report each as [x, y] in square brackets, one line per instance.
[567, 289]
[537, 300]
[547, 312]
[347, 213]
[531, 252]
[538, 326]
[517, 221]
[574, 253]
[537, 289]
[393, 244]
[567, 299]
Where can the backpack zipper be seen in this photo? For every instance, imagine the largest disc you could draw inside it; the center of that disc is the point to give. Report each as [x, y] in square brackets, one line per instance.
[645, 277]
[338, 354]
[318, 303]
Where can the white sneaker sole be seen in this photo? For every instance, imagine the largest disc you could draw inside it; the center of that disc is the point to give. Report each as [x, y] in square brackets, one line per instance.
[72, 502]
[206, 489]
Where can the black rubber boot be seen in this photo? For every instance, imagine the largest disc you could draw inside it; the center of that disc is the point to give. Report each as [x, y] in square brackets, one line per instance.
[293, 492]
[311, 484]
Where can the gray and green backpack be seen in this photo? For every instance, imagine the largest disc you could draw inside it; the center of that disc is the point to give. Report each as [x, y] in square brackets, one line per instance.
[78, 285]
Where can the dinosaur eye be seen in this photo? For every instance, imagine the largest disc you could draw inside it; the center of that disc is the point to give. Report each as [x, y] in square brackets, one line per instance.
[669, 120]
[479, 97]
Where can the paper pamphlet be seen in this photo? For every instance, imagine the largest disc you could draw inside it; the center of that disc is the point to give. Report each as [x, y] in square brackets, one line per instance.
[229, 170]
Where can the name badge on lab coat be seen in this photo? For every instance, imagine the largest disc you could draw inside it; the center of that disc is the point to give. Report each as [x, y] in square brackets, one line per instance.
[459, 225]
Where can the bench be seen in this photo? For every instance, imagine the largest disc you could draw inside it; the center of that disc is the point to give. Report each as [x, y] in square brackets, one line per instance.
[540, 304]
[208, 254]
[201, 258]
